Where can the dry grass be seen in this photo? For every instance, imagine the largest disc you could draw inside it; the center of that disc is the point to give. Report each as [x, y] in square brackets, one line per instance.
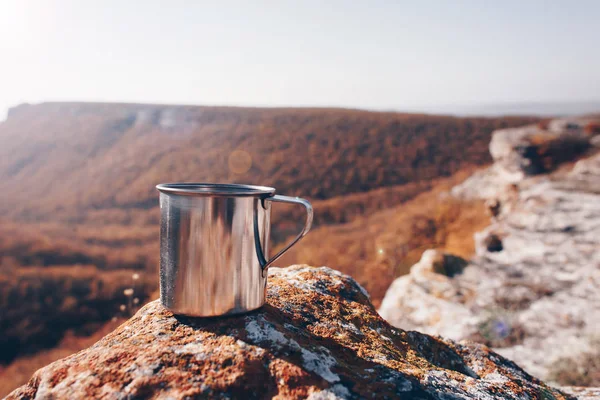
[40, 304]
[106, 246]
[376, 249]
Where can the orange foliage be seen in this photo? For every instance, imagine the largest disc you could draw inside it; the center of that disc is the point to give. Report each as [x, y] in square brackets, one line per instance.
[378, 248]
[20, 370]
[67, 160]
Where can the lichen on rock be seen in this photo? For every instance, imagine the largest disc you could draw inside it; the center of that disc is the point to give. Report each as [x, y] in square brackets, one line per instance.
[317, 337]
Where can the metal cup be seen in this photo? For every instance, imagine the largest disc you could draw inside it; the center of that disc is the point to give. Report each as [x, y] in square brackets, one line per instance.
[214, 243]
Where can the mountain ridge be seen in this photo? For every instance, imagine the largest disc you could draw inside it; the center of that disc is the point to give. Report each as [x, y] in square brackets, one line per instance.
[539, 109]
[126, 149]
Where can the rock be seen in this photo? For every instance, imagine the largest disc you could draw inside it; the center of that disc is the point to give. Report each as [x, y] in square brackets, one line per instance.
[504, 142]
[450, 265]
[493, 207]
[527, 151]
[535, 298]
[318, 337]
[565, 125]
[428, 301]
[492, 242]
[533, 150]
[438, 262]
[494, 184]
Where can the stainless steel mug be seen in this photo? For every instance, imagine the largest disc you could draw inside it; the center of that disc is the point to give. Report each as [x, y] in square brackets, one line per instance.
[214, 243]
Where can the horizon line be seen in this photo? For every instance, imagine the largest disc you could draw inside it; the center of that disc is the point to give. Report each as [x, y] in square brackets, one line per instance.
[460, 109]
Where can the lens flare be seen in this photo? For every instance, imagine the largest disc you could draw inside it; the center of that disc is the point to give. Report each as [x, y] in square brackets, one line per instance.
[240, 162]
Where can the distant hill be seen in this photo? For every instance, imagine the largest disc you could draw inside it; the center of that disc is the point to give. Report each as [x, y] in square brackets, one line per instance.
[63, 160]
[79, 212]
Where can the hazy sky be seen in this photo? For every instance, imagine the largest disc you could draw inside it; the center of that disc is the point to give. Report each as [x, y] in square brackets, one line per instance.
[401, 55]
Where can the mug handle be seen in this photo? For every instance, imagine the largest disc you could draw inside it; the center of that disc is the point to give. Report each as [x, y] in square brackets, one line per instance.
[264, 264]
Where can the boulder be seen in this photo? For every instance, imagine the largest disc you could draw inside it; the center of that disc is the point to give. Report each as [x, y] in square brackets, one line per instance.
[536, 149]
[318, 337]
[492, 242]
[429, 301]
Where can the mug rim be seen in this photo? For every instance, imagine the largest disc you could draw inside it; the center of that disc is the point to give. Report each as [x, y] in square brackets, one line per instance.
[215, 189]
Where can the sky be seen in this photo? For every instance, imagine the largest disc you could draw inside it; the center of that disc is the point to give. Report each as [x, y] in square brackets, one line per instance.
[380, 55]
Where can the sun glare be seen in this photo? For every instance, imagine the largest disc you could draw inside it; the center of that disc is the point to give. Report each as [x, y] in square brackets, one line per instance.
[20, 22]
[12, 17]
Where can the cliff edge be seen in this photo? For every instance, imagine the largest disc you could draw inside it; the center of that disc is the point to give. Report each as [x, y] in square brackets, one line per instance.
[532, 292]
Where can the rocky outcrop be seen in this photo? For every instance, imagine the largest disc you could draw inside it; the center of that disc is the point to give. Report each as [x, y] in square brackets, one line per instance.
[531, 150]
[532, 291]
[318, 337]
[537, 149]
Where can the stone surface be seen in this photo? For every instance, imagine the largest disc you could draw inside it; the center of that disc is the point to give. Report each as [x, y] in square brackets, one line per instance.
[527, 151]
[318, 337]
[583, 393]
[535, 298]
[536, 149]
